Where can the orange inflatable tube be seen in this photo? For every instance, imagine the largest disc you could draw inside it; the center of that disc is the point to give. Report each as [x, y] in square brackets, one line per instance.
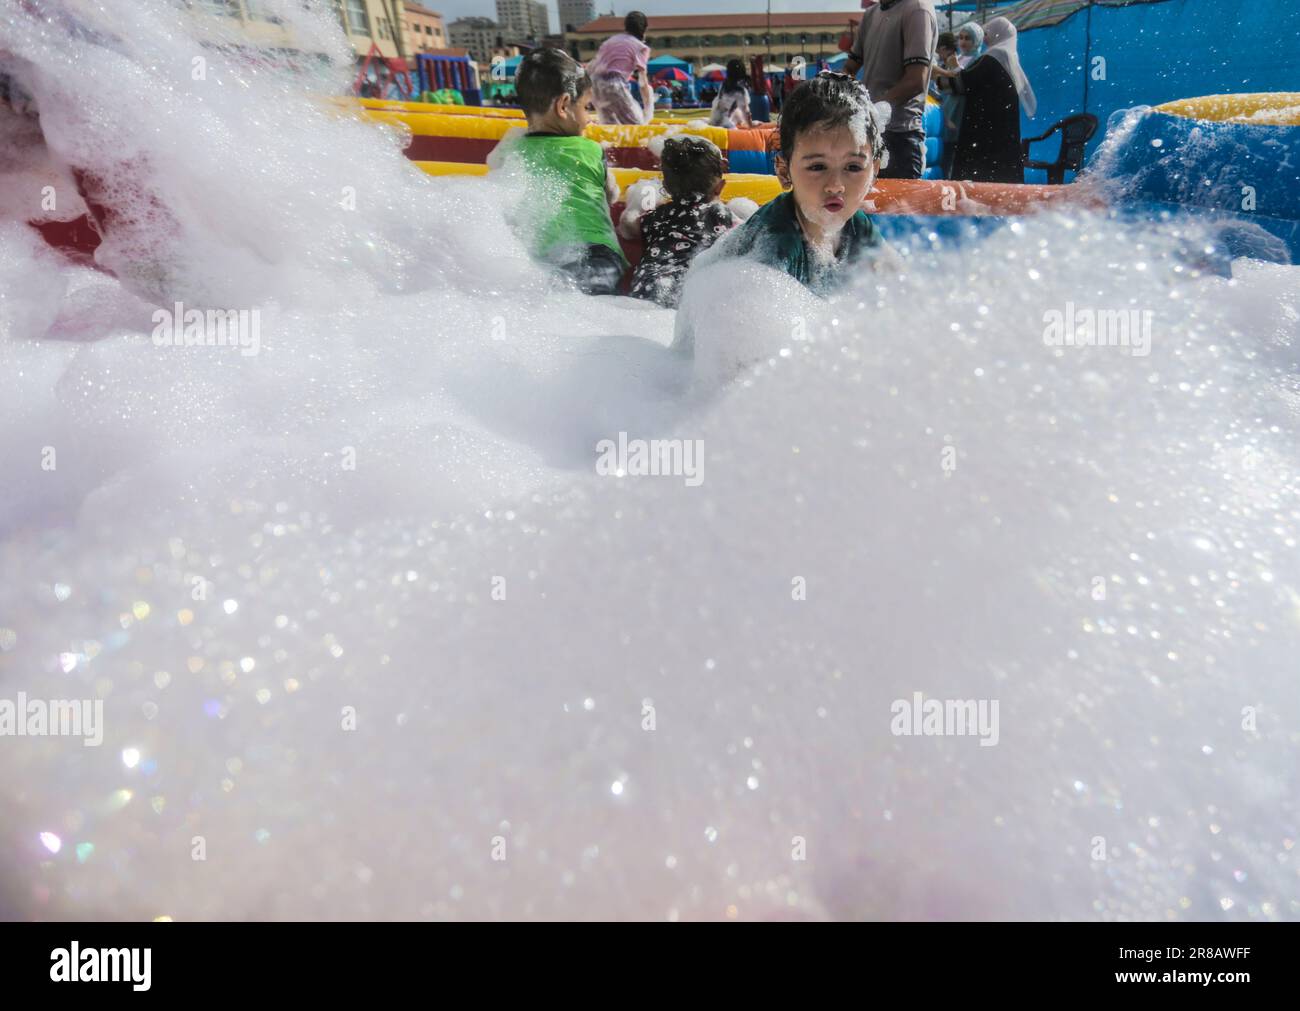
[955, 196]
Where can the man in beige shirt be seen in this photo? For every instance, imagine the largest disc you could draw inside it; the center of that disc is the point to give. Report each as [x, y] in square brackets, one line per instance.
[895, 44]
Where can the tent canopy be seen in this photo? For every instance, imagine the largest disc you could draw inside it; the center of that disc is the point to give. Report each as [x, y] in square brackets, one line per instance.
[508, 67]
[671, 74]
[665, 62]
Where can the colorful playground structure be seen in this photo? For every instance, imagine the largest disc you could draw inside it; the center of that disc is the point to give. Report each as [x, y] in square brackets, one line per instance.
[1231, 159]
[1234, 156]
[466, 135]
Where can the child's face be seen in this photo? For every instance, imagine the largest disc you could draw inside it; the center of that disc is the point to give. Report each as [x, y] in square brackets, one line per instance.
[830, 173]
[573, 115]
[946, 53]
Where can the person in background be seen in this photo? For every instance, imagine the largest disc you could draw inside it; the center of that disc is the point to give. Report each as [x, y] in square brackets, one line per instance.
[996, 89]
[390, 87]
[731, 107]
[620, 60]
[894, 47]
[760, 101]
[970, 41]
[663, 96]
[950, 103]
[568, 224]
[795, 74]
[945, 55]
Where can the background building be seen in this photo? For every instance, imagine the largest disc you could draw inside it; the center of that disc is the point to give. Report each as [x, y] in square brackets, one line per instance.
[478, 36]
[523, 19]
[255, 22]
[716, 38]
[424, 30]
[576, 13]
[373, 22]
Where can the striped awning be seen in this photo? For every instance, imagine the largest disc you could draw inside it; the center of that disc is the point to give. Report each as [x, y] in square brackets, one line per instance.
[1029, 14]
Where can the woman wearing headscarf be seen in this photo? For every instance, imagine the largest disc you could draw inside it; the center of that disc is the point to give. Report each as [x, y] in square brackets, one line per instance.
[731, 107]
[970, 40]
[995, 86]
[969, 44]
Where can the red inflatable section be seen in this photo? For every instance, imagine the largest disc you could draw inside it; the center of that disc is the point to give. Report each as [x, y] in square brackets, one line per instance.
[76, 239]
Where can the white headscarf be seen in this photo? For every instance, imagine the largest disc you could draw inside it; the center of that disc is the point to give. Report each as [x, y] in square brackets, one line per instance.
[1000, 37]
[976, 31]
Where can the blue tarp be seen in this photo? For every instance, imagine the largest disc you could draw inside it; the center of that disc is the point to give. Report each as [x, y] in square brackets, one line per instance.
[1105, 58]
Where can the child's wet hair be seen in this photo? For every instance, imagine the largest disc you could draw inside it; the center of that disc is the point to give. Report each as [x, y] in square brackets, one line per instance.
[828, 101]
[635, 24]
[546, 74]
[691, 165]
[946, 40]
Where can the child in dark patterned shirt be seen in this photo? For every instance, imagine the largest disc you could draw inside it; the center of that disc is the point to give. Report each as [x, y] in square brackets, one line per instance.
[673, 233]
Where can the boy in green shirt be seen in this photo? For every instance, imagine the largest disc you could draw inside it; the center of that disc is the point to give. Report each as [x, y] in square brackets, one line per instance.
[569, 223]
[443, 96]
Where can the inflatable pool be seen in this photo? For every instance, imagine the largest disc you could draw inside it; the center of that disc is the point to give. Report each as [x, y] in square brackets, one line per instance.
[1229, 157]
[453, 134]
[474, 131]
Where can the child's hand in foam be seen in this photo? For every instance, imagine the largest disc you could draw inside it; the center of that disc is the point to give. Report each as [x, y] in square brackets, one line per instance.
[741, 208]
[642, 197]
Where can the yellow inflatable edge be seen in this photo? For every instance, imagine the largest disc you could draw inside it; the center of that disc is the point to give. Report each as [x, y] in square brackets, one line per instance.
[758, 188]
[1275, 108]
[432, 124]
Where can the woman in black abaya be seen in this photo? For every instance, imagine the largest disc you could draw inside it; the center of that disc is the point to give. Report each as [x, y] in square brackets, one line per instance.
[988, 145]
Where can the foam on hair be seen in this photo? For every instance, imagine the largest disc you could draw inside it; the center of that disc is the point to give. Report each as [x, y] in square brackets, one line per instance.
[544, 76]
[830, 100]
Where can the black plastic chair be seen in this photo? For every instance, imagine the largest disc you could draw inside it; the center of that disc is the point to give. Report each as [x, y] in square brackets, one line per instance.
[1076, 131]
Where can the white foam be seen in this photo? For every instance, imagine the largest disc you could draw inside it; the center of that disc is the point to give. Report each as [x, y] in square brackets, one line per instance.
[471, 393]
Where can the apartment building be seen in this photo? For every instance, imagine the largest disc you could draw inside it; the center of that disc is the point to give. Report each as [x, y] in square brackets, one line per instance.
[478, 36]
[374, 22]
[424, 30]
[576, 13]
[523, 19]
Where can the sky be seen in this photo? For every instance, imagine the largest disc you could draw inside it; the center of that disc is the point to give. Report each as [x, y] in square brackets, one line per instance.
[453, 9]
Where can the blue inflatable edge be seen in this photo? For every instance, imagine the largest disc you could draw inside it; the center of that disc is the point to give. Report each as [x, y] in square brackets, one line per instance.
[1232, 236]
